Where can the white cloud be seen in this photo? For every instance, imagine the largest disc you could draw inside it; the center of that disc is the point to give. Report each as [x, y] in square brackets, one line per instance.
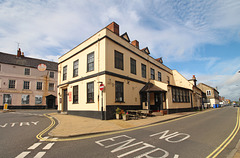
[171, 29]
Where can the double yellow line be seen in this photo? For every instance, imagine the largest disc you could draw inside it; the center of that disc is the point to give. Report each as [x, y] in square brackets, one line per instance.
[39, 136]
[221, 147]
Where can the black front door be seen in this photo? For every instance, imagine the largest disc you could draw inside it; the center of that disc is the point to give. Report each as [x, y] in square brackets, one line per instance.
[158, 101]
[50, 101]
[65, 101]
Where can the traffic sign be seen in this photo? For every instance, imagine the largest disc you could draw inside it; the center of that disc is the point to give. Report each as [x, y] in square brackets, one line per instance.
[101, 86]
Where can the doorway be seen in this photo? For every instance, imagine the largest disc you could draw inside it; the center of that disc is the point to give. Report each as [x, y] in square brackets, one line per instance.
[50, 101]
[65, 101]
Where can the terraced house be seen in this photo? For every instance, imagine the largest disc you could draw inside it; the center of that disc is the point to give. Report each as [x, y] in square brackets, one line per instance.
[132, 79]
[23, 86]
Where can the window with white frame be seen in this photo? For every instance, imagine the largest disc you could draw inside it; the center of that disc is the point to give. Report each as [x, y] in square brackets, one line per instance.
[152, 74]
[90, 62]
[209, 92]
[51, 75]
[118, 59]
[119, 96]
[11, 84]
[75, 68]
[159, 76]
[143, 70]
[133, 66]
[64, 72]
[39, 85]
[75, 94]
[51, 87]
[90, 92]
[27, 71]
[26, 84]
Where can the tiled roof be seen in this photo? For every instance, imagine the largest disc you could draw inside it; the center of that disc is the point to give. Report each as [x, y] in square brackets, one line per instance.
[26, 62]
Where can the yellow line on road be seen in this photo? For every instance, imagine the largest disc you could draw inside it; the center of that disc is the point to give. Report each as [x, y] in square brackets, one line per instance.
[221, 147]
[39, 136]
[110, 133]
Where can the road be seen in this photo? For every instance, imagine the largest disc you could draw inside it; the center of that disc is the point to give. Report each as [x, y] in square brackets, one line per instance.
[19, 130]
[190, 137]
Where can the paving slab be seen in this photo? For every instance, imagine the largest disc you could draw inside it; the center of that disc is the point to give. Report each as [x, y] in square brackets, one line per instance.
[71, 125]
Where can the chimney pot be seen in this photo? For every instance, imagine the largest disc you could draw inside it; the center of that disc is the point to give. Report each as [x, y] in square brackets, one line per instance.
[114, 27]
[135, 43]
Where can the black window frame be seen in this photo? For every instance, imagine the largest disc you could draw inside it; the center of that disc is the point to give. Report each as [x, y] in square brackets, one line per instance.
[133, 65]
[144, 70]
[152, 73]
[118, 60]
[26, 84]
[90, 95]
[27, 71]
[119, 91]
[12, 84]
[90, 62]
[159, 76]
[75, 68]
[180, 95]
[75, 94]
[65, 73]
[39, 84]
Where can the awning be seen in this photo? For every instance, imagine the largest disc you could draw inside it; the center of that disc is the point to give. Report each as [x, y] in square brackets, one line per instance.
[149, 87]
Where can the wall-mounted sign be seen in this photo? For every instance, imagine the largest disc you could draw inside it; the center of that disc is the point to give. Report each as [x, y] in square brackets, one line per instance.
[70, 96]
[42, 67]
[101, 87]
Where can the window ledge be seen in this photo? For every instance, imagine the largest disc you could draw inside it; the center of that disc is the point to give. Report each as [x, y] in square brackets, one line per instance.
[119, 101]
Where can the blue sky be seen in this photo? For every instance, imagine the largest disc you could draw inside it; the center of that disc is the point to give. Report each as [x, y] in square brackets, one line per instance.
[195, 37]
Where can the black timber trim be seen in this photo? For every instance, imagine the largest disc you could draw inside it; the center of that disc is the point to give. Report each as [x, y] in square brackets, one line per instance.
[119, 45]
[103, 73]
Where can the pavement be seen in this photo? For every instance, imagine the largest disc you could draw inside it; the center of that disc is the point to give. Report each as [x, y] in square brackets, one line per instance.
[71, 125]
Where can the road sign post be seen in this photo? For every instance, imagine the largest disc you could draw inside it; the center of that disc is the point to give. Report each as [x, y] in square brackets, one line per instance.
[101, 87]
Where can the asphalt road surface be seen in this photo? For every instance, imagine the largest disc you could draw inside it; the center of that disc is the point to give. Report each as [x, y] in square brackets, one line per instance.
[191, 137]
[18, 130]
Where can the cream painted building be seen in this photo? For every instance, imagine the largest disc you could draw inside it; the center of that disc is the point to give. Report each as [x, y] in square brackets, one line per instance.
[132, 78]
[23, 86]
[212, 95]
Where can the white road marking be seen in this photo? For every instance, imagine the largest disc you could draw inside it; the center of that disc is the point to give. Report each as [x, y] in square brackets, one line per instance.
[48, 146]
[24, 123]
[3, 125]
[40, 154]
[23, 154]
[35, 123]
[34, 146]
[43, 139]
[54, 139]
[176, 156]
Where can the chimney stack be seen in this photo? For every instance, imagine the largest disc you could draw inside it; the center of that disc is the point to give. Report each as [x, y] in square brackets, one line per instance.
[135, 43]
[114, 27]
[194, 80]
[19, 53]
